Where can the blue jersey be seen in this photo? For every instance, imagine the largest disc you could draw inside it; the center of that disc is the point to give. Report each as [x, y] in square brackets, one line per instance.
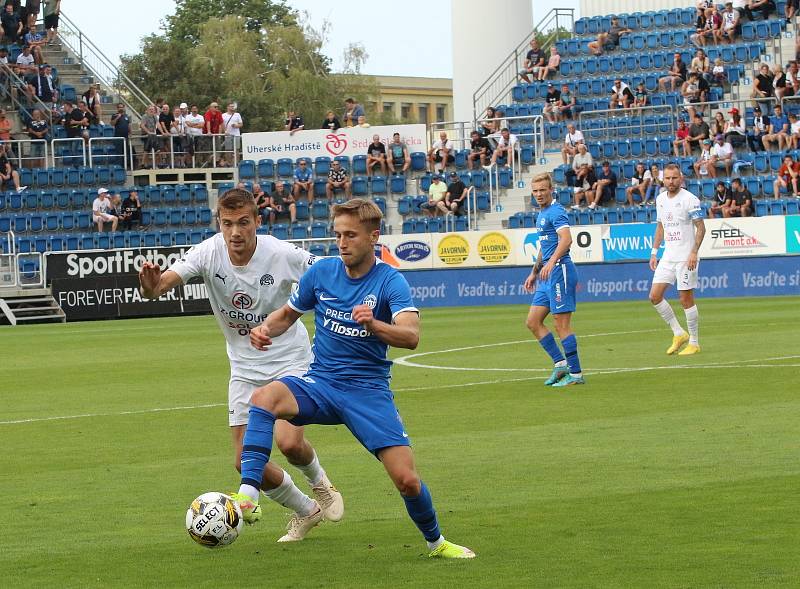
[551, 219]
[302, 174]
[342, 348]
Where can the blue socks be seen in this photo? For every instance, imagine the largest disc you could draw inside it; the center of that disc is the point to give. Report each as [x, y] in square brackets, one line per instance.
[571, 351]
[421, 510]
[257, 446]
[550, 346]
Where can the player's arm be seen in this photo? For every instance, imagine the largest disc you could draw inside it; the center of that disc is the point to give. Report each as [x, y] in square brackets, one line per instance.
[657, 239]
[403, 332]
[153, 283]
[562, 249]
[274, 325]
[699, 234]
[530, 281]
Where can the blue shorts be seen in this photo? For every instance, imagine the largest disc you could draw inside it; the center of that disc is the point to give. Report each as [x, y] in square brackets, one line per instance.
[369, 413]
[558, 291]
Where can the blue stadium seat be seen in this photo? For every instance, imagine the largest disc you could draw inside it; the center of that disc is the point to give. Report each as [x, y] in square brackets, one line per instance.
[285, 167]
[266, 168]
[299, 231]
[333, 250]
[317, 249]
[160, 217]
[358, 186]
[67, 221]
[200, 193]
[195, 236]
[205, 216]
[5, 223]
[247, 169]
[175, 217]
[168, 195]
[398, 184]
[319, 229]
[57, 243]
[302, 210]
[404, 205]
[181, 237]
[418, 161]
[360, 164]
[165, 238]
[378, 185]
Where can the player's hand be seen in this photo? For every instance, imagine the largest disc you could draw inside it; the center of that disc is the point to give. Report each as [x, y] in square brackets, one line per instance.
[546, 270]
[530, 281]
[653, 262]
[691, 262]
[149, 277]
[362, 314]
[259, 337]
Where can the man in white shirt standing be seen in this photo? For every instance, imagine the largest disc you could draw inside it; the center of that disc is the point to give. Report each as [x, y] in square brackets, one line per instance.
[100, 213]
[194, 130]
[232, 123]
[680, 226]
[249, 276]
[571, 141]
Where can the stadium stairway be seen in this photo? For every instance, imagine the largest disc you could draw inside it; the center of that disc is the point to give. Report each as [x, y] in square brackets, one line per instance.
[29, 306]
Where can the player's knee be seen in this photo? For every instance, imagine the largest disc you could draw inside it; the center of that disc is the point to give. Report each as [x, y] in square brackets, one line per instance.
[655, 298]
[408, 483]
[263, 398]
[532, 323]
[291, 447]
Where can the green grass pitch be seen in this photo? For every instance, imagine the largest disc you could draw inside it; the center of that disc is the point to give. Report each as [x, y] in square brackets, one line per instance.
[662, 471]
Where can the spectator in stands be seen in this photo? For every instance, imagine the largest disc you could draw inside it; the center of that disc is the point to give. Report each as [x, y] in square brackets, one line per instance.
[38, 130]
[92, 100]
[282, 204]
[131, 211]
[761, 123]
[552, 66]
[26, 64]
[740, 202]
[88, 119]
[787, 178]
[52, 11]
[177, 133]
[490, 123]
[5, 126]
[35, 40]
[163, 126]
[455, 196]
[567, 104]
[779, 81]
[656, 184]
[640, 96]
[262, 203]
[195, 122]
[698, 131]
[232, 124]
[778, 130]
[621, 95]
[11, 25]
[436, 193]
[765, 7]
[794, 130]
[551, 102]
[331, 122]
[676, 75]
[719, 77]
[702, 29]
[690, 90]
[721, 196]
[441, 154]
[606, 186]
[122, 128]
[376, 155]
[585, 183]
[791, 9]
[352, 110]
[705, 6]
[506, 147]
[479, 149]
[71, 121]
[609, 40]
[362, 122]
[571, 141]
[581, 164]
[722, 155]
[640, 182]
[792, 79]
[718, 124]
[303, 180]
[730, 25]
[100, 214]
[8, 175]
[762, 85]
[213, 127]
[704, 166]
[534, 60]
[46, 88]
[701, 64]
[681, 140]
[152, 144]
[399, 158]
[115, 207]
[736, 129]
[337, 179]
[293, 123]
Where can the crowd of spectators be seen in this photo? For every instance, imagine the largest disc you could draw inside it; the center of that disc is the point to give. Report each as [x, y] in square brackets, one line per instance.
[110, 209]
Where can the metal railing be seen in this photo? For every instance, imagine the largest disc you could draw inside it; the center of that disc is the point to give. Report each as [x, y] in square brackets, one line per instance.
[11, 88]
[499, 83]
[20, 155]
[202, 151]
[33, 278]
[101, 67]
[69, 156]
[99, 157]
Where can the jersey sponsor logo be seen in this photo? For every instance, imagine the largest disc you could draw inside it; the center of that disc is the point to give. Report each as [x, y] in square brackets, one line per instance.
[267, 280]
[412, 251]
[242, 300]
[341, 329]
[221, 277]
[370, 301]
[247, 316]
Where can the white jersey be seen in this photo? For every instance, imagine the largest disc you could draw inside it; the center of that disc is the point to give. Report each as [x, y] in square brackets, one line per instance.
[242, 297]
[677, 215]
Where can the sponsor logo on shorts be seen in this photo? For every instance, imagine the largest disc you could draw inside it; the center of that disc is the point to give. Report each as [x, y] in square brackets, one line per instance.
[558, 292]
[242, 300]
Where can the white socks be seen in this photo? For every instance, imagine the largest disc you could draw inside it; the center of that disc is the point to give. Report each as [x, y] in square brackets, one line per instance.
[667, 314]
[436, 544]
[312, 471]
[288, 495]
[692, 320]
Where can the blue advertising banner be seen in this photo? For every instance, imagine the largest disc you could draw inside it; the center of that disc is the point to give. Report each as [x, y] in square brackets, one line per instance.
[793, 234]
[731, 277]
[631, 241]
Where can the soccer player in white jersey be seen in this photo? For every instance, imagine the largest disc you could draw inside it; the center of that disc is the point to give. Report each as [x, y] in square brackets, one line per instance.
[249, 276]
[680, 226]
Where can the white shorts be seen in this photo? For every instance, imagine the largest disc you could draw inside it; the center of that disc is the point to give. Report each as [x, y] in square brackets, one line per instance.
[241, 389]
[103, 217]
[672, 272]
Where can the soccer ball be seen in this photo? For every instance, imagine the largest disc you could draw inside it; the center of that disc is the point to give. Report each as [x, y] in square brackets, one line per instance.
[214, 520]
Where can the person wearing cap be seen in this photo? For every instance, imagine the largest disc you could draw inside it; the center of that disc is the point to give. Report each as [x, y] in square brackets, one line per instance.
[778, 130]
[621, 95]
[610, 39]
[454, 197]
[534, 59]
[571, 141]
[735, 129]
[100, 211]
[551, 102]
[703, 166]
[759, 130]
[553, 63]
[436, 193]
[722, 154]
[698, 131]
[788, 177]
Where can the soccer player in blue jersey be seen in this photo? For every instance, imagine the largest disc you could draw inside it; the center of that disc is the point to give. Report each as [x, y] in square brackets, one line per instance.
[361, 307]
[554, 278]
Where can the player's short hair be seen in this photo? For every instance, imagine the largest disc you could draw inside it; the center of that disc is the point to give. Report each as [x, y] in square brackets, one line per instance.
[237, 198]
[672, 167]
[367, 212]
[543, 177]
